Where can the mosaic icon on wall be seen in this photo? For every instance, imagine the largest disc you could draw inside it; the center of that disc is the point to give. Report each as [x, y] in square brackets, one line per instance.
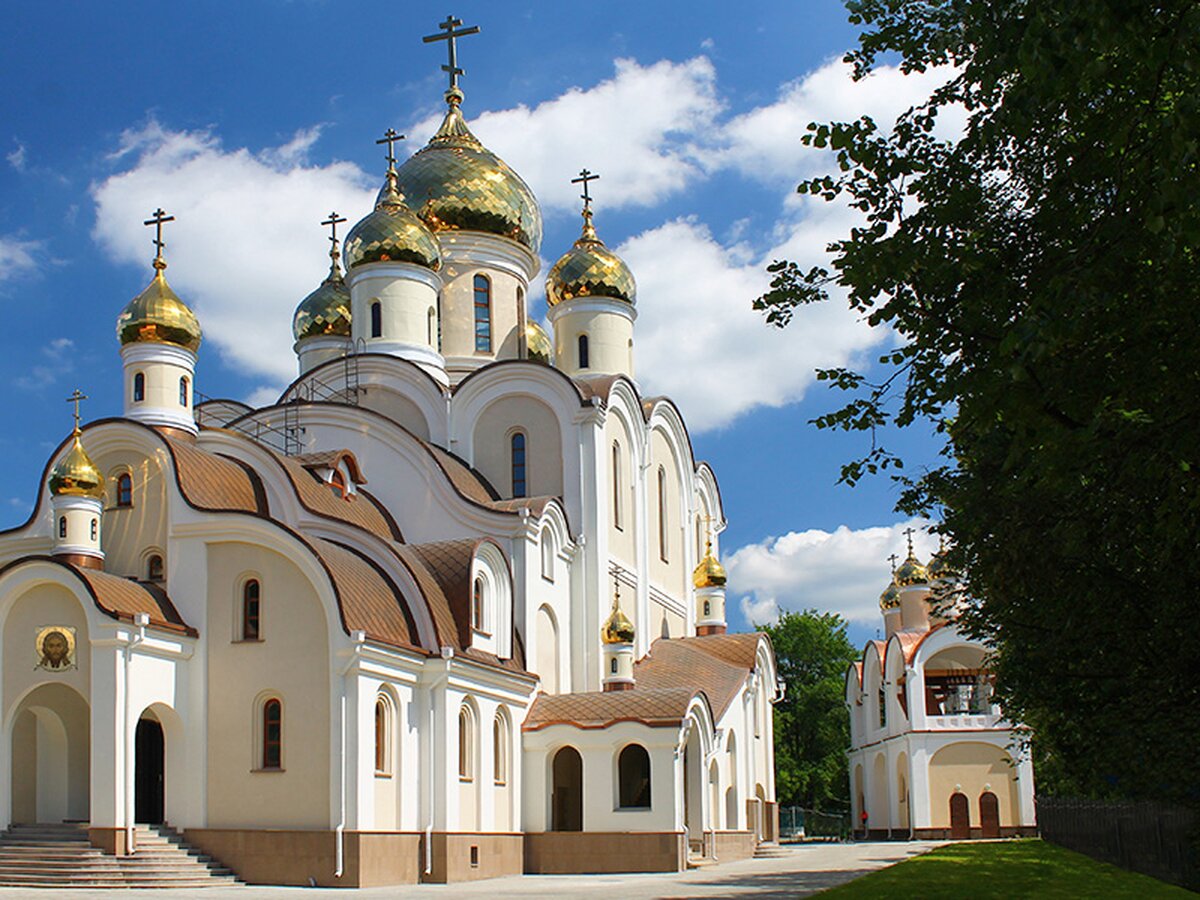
[55, 648]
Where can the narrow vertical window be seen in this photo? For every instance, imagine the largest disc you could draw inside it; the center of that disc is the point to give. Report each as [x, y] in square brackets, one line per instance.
[466, 741]
[547, 555]
[430, 321]
[272, 734]
[154, 568]
[381, 737]
[483, 314]
[139, 387]
[376, 319]
[583, 351]
[183, 391]
[477, 605]
[499, 750]
[62, 526]
[616, 483]
[124, 490]
[95, 529]
[518, 464]
[662, 513]
[251, 610]
[882, 707]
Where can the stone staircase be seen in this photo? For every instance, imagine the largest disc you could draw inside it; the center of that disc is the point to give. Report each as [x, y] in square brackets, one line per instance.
[59, 856]
[770, 851]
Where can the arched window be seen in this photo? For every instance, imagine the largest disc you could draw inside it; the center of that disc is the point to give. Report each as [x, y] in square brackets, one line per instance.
[272, 725]
[483, 314]
[616, 482]
[139, 387]
[430, 320]
[612, 665]
[383, 736]
[183, 391]
[547, 555]
[251, 598]
[662, 513]
[477, 604]
[466, 744]
[62, 526]
[154, 568]
[882, 707]
[337, 484]
[500, 749]
[95, 529]
[376, 319]
[583, 351]
[124, 489]
[633, 774]
[518, 464]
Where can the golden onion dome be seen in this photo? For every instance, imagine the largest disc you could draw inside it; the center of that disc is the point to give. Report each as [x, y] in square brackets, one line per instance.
[937, 567]
[392, 232]
[75, 475]
[617, 629]
[157, 315]
[537, 344]
[890, 598]
[911, 572]
[710, 572]
[457, 184]
[326, 311]
[590, 269]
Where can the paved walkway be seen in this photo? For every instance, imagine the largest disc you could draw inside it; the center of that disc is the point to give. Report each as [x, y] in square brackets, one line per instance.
[804, 869]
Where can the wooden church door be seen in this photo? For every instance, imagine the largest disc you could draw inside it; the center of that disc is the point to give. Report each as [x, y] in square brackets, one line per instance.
[960, 817]
[989, 815]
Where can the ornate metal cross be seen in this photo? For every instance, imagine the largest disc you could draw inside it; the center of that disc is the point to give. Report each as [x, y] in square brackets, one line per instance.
[75, 397]
[584, 177]
[333, 221]
[910, 531]
[448, 35]
[159, 218]
[892, 559]
[389, 137]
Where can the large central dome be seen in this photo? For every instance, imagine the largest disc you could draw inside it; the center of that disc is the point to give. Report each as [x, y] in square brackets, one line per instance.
[455, 183]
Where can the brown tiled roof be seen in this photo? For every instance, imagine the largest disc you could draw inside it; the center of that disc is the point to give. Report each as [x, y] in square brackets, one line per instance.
[368, 599]
[213, 482]
[535, 505]
[596, 387]
[123, 599]
[464, 479]
[686, 663]
[328, 459]
[738, 649]
[599, 709]
[317, 498]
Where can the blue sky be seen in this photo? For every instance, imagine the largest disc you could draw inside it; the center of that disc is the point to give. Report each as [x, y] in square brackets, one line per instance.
[250, 121]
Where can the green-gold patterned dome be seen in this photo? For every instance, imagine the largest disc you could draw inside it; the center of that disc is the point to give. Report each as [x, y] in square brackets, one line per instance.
[456, 184]
[392, 232]
[326, 311]
[590, 269]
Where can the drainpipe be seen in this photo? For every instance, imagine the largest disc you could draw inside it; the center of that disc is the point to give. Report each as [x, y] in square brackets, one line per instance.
[141, 620]
[358, 637]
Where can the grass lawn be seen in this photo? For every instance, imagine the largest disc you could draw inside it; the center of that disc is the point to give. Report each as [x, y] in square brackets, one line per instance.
[1003, 869]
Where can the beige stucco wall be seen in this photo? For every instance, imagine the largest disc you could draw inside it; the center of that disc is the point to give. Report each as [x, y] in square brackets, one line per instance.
[971, 767]
[41, 605]
[622, 542]
[406, 295]
[128, 532]
[543, 446]
[291, 662]
[396, 407]
[458, 311]
[669, 574]
[610, 341]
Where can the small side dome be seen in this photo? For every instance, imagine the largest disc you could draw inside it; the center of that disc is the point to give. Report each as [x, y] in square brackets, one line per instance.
[538, 344]
[590, 269]
[710, 572]
[617, 629]
[75, 475]
[911, 572]
[392, 232]
[890, 598]
[157, 315]
[326, 311]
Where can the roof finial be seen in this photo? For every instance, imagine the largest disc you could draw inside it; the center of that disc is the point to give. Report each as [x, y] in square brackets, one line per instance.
[448, 34]
[75, 397]
[589, 232]
[390, 137]
[335, 270]
[910, 531]
[159, 217]
[892, 559]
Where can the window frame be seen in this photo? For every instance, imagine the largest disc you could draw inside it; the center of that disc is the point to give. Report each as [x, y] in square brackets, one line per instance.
[500, 749]
[625, 789]
[139, 387]
[520, 482]
[151, 568]
[617, 491]
[124, 492]
[479, 604]
[385, 712]
[376, 314]
[466, 743]
[247, 600]
[662, 514]
[269, 742]
[481, 285]
[583, 352]
[184, 390]
[546, 547]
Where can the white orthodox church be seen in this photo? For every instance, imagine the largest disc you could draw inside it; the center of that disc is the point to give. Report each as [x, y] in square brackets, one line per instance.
[931, 756]
[449, 609]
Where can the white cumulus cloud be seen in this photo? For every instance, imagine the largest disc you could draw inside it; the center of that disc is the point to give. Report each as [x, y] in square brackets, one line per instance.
[17, 257]
[840, 571]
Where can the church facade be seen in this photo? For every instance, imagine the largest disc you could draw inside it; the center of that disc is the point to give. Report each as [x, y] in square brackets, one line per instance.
[931, 756]
[449, 609]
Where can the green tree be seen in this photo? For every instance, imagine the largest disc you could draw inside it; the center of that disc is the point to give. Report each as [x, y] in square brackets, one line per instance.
[1039, 274]
[812, 729]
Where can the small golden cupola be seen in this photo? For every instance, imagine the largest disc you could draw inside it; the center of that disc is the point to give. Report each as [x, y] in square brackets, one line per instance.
[76, 500]
[592, 296]
[538, 347]
[159, 337]
[617, 635]
[321, 325]
[911, 571]
[709, 581]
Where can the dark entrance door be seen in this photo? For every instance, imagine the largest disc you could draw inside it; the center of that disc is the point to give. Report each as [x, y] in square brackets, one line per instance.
[567, 808]
[989, 815]
[960, 817]
[148, 773]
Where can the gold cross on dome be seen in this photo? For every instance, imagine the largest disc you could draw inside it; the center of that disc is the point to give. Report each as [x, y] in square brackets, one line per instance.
[584, 177]
[910, 531]
[333, 221]
[159, 217]
[449, 35]
[892, 559]
[75, 397]
[389, 137]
